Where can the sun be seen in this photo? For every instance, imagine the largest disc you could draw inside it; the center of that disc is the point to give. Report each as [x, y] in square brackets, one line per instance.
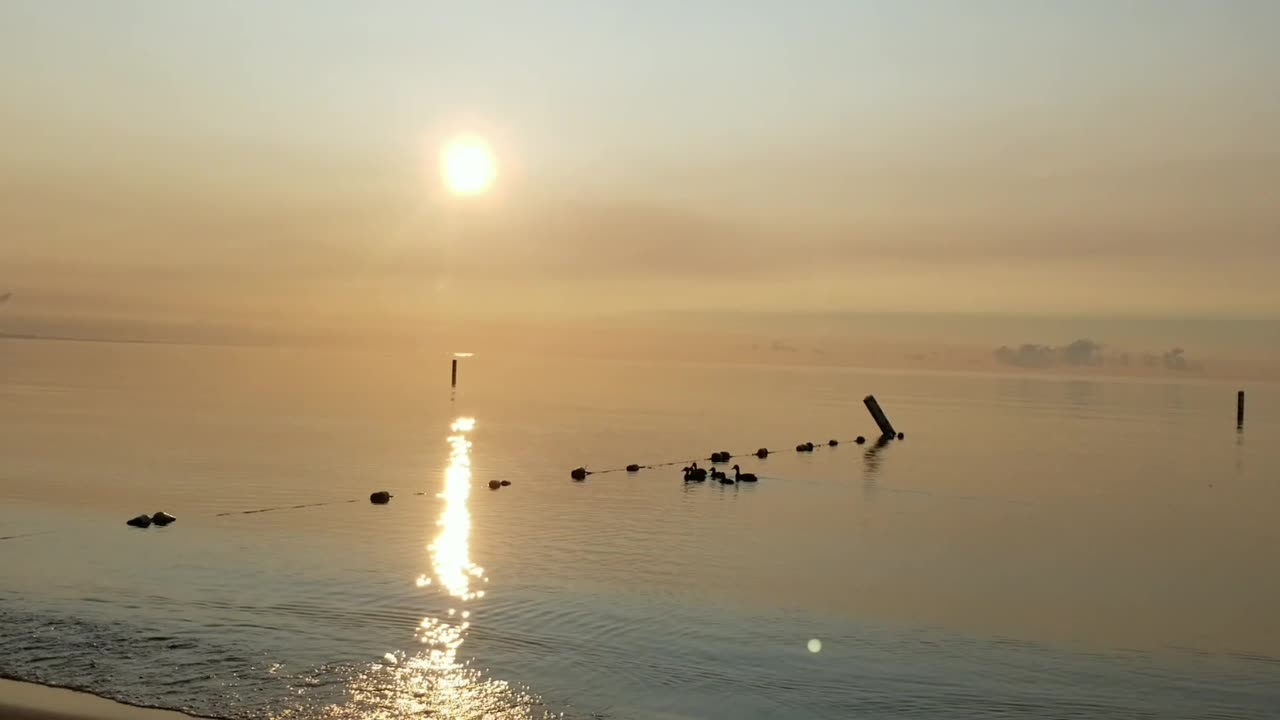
[467, 165]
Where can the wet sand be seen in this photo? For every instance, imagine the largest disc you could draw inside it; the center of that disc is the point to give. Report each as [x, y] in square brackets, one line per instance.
[28, 701]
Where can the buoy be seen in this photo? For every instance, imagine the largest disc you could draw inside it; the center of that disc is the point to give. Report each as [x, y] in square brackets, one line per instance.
[505, 483]
[762, 453]
[902, 436]
[721, 456]
[861, 440]
[578, 473]
[494, 484]
[162, 518]
[800, 447]
[141, 521]
[633, 468]
[833, 443]
[382, 497]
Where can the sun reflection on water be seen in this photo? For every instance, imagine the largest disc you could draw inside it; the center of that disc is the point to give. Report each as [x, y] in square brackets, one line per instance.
[451, 551]
[434, 683]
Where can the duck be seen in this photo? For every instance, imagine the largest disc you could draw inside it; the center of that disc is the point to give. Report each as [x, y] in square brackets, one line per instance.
[725, 479]
[693, 473]
[743, 477]
[718, 474]
[720, 457]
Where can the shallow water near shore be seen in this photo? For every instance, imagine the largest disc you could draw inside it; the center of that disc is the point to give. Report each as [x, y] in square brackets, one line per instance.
[1034, 547]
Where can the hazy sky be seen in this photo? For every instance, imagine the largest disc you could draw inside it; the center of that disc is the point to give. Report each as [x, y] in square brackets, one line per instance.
[276, 159]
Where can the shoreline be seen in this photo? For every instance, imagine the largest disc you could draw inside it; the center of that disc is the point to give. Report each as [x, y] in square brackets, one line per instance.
[20, 700]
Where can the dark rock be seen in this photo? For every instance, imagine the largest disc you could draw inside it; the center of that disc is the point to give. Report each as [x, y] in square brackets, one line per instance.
[162, 519]
[382, 497]
[141, 521]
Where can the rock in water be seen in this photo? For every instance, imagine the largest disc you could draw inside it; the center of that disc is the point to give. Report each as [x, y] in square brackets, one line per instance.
[140, 521]
[162, 518]
[382, 497]
[494, 484]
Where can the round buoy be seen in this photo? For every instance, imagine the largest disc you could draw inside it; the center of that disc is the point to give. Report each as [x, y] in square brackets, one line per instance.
[902, 436]
[860, 440]
[833, 443]
[505, 483]
[494, 484]
[633, 468]
[762, 453]
[382, 497]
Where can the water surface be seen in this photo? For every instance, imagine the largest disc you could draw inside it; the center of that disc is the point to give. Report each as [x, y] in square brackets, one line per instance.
[1035, 547]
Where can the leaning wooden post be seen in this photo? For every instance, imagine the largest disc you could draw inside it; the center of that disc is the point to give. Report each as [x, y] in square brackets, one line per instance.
[886, 428]
[1240, 409]
[453, 379]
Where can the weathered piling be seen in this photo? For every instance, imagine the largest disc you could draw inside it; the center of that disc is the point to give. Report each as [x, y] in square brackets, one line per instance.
[1240, 409]
[886, 428]
[453, 377]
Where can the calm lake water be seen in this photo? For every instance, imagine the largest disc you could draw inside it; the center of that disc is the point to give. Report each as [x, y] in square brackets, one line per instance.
[1035, 547]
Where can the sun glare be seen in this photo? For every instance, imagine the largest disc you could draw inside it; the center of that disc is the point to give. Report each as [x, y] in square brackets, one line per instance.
[467, 165]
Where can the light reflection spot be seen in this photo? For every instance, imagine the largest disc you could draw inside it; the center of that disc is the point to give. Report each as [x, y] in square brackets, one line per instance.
[815, 645]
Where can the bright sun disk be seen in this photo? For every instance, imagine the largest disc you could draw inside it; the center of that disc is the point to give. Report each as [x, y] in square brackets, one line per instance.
[467, 165]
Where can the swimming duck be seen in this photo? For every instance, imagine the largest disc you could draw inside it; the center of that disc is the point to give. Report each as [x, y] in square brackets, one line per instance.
[718, 474]
[743, 477]
[693, 473]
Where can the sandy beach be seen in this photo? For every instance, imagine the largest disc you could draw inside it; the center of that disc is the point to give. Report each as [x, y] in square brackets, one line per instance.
[28, 701]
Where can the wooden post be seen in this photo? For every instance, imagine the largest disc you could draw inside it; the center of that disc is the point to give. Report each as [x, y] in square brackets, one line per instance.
[886, 428]
[1240, 409]
[453, 380]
